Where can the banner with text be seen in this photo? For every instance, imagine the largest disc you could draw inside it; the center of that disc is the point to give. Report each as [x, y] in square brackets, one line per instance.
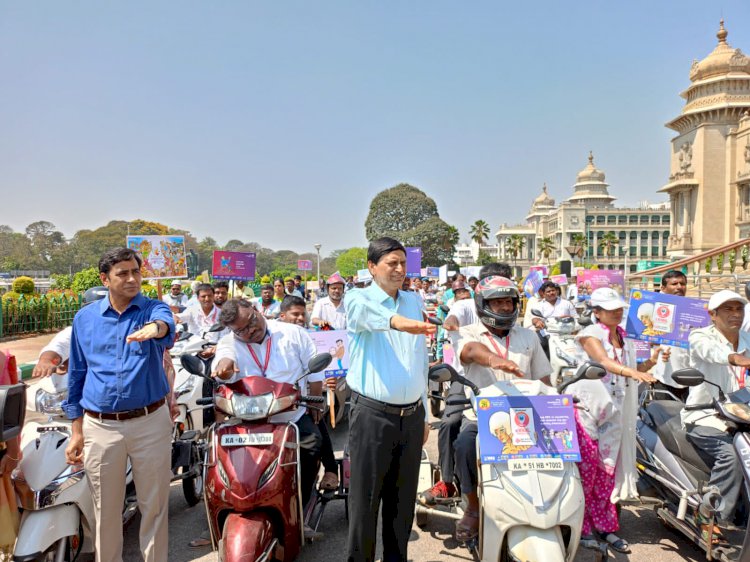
[239, 266]
[163, 256]
[413, 262]
[304, 265]
[591, 279]
[662, 318]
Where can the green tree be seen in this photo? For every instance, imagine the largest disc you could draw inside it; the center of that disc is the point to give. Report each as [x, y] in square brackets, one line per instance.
[85, 279]
[479, 232]
[514, 246]
[406, 213]
[546, 248]
[45, 241]
[351, 260]
[579, 240]
[61, 281]
[608, 242]
[485, 258]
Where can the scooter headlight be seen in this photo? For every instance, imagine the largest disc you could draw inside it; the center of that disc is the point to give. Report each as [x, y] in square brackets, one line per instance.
[50, 402]
[252, 407]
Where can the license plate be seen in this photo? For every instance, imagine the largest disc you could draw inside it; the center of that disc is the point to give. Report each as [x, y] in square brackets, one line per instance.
[239, 440]
[549, 465]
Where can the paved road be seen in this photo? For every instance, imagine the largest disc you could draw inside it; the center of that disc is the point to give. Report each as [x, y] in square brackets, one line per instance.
[649, 539]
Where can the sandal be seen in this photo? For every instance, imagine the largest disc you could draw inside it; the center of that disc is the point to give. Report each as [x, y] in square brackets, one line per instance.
[330, 481]
[717, 537]
[617, 544]
[467, 528]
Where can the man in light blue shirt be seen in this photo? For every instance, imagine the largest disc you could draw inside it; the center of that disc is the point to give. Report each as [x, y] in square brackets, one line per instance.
[387, 424]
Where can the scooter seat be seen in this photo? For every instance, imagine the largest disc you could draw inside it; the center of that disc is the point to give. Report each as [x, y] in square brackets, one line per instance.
[666, 417]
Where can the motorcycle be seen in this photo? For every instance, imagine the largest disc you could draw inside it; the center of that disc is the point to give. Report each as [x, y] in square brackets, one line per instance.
[57, 518]
[525, 513]
[564, 354]
[252, 471]
[675, 474]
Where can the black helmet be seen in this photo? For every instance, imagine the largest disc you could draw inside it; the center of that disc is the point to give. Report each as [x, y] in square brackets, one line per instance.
[94, 294]
[496, 287]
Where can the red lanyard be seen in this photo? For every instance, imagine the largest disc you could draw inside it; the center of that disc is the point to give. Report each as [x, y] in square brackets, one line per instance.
[497, 349]
[268, 355]
[741, 377]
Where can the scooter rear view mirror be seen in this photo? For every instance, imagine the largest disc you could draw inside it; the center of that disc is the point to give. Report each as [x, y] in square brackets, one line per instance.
[591, 371]
[442, 372]
[218, 327]
[319, 362]
[184, 336]
[445, 308]
[688, 377]
[12, 410]
[192, 364]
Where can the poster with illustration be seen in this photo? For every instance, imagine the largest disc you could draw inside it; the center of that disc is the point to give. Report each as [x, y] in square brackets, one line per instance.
[561, 279]
[665, 319]
[163, 256]
[531, 284]
[413, 262]
[591, 279]
[543, 269]
[335, 342]
[527, 427]
[239, 266]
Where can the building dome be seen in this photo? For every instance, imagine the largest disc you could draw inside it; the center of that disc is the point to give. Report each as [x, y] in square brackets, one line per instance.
[722, 60]
[590, 174]
[544, 200]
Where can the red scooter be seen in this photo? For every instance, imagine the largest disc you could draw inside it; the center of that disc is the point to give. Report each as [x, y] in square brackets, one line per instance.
[252, 470]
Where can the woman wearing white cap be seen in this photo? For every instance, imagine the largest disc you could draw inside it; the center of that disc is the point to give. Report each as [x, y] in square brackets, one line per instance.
[607, 467]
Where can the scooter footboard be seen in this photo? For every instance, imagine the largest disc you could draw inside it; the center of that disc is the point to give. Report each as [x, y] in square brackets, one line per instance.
[526, 543]
[247, 537]
[41, 529]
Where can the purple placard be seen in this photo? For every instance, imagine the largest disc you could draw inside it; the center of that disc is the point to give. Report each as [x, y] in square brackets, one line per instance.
[239, 266]
[304, 265]
[561, 279]
[665, 319]
[527, 427]
[532, 283]
[642, 350]
[543, 269]
[591, 279]
[413, 262]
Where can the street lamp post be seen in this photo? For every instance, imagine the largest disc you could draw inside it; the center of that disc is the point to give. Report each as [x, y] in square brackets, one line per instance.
[317, 249]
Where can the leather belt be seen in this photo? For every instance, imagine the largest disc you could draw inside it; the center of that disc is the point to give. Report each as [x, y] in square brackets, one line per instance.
[129, 414]
[393, 409]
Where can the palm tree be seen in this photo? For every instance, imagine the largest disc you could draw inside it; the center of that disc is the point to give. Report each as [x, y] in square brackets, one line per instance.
[479, 231]
[608, 242]
[546, 248]
[515, 245]
[579, 240]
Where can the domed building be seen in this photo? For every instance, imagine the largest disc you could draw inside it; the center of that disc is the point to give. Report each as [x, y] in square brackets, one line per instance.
[709, 182]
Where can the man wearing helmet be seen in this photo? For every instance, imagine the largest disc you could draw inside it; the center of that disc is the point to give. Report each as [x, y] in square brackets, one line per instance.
[493, 349]
[329, 311]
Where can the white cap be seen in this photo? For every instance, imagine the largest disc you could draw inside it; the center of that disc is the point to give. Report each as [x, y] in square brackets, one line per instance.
[606, 298]
[176, 283]
[721, 297]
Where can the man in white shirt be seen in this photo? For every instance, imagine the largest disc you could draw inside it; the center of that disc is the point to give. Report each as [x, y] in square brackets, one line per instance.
[199, 319]
[329, 311]
[720, 352]
[265, 304]
[493, 349]
[175, 298]
[280, 351]
[552, 305]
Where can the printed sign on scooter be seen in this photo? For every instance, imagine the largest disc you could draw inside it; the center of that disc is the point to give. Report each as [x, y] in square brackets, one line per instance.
[335, 342]
[527, 427]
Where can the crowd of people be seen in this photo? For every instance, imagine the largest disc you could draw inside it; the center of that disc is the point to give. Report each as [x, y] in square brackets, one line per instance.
[116, 354]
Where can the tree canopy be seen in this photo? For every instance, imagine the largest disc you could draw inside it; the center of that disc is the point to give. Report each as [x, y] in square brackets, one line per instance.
[407, 214]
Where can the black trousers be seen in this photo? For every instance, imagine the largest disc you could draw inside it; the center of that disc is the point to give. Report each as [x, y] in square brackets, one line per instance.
[310, 443]
[326, 452]
[450, 425]
[385, 450]
[466, 457]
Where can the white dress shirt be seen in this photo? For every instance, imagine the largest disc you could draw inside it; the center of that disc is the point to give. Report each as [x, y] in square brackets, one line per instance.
[180, 300]
[291, 351]
[561, 307]
[60, 344]
[679, 358]
[326, 311]
[709, 353]
[199, 322]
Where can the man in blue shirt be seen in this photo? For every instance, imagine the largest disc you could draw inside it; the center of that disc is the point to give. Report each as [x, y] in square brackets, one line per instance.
[116, 399]
[387, 424]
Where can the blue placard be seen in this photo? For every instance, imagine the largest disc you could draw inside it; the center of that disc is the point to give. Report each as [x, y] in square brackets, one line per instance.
[527, 427]
[660, 318]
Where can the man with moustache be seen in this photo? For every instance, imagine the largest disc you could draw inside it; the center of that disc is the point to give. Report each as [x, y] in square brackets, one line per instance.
[265, 304]
[388, 421]
[221, 292]
[329, 312]
[719, 351]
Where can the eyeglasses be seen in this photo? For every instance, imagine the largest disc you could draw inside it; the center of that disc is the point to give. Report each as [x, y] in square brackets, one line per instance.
[252, 322]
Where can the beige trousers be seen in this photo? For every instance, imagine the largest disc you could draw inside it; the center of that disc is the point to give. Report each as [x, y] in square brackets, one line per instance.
[107, 446]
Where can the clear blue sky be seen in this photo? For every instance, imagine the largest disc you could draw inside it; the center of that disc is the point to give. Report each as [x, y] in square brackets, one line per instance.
[277, 122]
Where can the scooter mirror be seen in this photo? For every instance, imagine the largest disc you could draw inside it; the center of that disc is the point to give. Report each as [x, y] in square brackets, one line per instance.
[585, 318]
[535, 312]
[445, 308]
[442, 372]
[319, 362]
[591, 371]
[12, 410]
[184, 336]
[192, 364]
[688, 377]
[218, 327]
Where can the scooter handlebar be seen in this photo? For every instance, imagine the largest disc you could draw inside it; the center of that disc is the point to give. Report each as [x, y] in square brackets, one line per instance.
[314, 399]
[204, 401]
[453, 401]
[693, 407]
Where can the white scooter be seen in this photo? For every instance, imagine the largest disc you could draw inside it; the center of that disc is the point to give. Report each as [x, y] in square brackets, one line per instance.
[57, 520]
[564, 355]
[525, 514]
